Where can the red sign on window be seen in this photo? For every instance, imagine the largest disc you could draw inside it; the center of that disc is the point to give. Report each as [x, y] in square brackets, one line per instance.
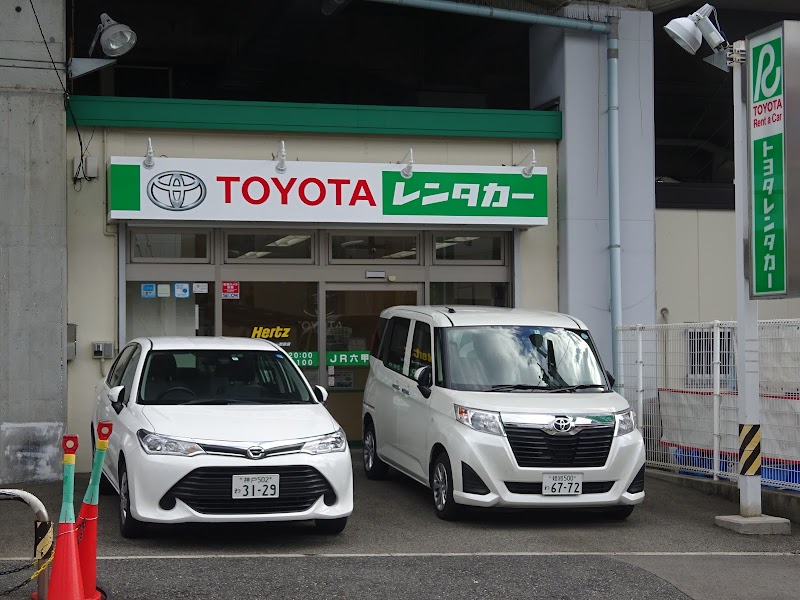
[230, 290]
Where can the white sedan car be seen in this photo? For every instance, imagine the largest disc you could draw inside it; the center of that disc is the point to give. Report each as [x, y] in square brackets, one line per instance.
[220, 430]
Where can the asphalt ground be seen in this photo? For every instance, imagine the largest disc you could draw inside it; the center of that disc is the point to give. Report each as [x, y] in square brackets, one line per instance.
[395, 547]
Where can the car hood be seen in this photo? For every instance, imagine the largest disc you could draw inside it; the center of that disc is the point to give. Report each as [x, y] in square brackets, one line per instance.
[565, 403]
[238, 422]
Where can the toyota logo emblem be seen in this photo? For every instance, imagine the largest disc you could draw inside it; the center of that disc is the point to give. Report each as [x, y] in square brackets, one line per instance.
[255, 452]
[562, 424]
[176, 190]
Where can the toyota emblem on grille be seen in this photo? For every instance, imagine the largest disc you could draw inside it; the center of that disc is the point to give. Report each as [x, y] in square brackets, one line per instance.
[255, 452]
[176, 190]
[562, 424]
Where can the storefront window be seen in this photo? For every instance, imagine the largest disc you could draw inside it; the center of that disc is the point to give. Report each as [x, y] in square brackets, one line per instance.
[369, 248]
[184, 308]
[249, 247]
[471, 247]
[283, 312]
[172, 246]
[479, 293]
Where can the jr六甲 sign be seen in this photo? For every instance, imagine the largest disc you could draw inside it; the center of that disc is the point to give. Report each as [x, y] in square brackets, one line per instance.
[178, 189]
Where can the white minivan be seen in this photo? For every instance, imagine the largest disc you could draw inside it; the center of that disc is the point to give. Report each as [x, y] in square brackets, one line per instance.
[499, 407]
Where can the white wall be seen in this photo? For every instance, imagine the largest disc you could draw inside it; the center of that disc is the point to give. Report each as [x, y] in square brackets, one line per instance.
[92, 249]
[696, 268]
[571, 66]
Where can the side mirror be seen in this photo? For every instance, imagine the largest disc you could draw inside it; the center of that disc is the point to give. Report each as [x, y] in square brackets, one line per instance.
[611, 379]
[424, 378]
[115, 396]
[321, 393]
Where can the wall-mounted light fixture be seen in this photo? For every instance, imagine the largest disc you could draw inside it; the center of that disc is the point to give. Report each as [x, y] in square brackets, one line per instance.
[115, 39]
[148, 162]
[408, 170]
[280, 167]
[689, 32]
[527, 170]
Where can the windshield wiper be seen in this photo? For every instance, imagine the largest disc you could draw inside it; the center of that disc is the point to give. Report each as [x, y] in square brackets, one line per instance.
[518, 387]
[581, 386]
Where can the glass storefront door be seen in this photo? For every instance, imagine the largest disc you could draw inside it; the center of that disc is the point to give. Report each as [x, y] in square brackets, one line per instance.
[352, 313]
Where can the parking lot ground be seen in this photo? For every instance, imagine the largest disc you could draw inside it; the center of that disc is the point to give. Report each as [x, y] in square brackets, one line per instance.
[395, 547]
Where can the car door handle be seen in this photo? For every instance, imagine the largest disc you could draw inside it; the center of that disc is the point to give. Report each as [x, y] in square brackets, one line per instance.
[405, 391]
[395, 386]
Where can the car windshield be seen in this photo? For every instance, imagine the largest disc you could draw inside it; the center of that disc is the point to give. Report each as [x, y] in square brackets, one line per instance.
[521, 358]
[221, 377]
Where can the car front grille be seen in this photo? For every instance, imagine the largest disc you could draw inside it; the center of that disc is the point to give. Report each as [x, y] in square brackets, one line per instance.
[535, 487]
[534, 448]
[208, 490]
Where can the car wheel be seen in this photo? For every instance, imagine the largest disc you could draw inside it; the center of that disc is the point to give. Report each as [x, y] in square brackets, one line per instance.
[106, 489]
[330, 526]
[129, 527]
[618, 513]
[442, 488]
[374, 467]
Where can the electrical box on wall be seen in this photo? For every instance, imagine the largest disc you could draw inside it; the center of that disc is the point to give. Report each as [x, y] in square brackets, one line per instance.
[72, 341]
[102, 349]
[89, 169]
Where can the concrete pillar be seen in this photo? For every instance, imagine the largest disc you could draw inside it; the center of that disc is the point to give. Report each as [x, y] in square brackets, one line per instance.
[570, 67]
[32, 241]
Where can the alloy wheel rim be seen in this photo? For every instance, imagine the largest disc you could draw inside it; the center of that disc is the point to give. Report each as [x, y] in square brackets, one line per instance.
[369, 450]
[440, 486]
[123, 498]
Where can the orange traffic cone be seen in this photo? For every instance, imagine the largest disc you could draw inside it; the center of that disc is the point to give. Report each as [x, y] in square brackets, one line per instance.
[65, 578]
[87, 518]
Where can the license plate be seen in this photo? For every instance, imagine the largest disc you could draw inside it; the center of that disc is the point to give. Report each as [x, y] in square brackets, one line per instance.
[255, 486]
[554, 484]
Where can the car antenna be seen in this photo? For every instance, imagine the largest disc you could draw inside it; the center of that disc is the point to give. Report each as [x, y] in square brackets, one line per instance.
[450, 310]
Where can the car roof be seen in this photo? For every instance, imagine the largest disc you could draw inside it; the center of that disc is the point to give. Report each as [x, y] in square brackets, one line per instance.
[205, 343]
[460, 316]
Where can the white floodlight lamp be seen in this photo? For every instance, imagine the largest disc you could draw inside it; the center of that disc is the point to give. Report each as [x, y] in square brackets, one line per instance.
[116, 39]
[689, 32]
[527, 171]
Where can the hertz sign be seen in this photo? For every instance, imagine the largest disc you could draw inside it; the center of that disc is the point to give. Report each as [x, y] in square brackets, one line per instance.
[270, 333]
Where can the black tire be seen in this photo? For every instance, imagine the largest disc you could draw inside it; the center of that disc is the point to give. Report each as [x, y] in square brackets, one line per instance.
[618, 513]
[374, 467]
[106, 489]
[129, 527]
[442, 489]
[330, 526]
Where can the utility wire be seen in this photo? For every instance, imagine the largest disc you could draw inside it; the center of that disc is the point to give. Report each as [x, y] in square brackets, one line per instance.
[67, 104]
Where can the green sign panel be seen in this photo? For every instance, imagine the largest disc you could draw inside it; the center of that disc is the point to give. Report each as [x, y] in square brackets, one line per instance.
[465, 194]
[768, 232]
[349, 358]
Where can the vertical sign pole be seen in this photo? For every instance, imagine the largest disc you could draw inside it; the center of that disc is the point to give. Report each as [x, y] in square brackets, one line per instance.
[747, 351]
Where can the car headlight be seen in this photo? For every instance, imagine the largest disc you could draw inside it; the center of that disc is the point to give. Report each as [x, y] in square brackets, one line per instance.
[626, 422]
[480, 420]
[152, 443]
[333, 442]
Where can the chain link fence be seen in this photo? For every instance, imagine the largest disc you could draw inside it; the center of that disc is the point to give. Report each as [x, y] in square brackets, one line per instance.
[681, 379]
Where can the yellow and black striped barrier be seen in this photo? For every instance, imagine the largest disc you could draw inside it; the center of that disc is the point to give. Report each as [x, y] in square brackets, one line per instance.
[750, 449]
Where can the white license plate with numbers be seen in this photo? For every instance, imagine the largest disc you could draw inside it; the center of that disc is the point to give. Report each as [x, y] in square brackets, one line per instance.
[255, 486]
[555, 484]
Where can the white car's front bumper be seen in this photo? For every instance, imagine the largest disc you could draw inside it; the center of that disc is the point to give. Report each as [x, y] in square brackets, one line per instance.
[152, 478]
[492, 459]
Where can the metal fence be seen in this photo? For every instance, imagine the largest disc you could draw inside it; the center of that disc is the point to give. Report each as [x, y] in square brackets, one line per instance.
[681, 380]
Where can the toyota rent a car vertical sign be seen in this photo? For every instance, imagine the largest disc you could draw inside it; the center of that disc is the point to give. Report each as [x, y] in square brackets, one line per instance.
[773, 59]
[190, 190]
